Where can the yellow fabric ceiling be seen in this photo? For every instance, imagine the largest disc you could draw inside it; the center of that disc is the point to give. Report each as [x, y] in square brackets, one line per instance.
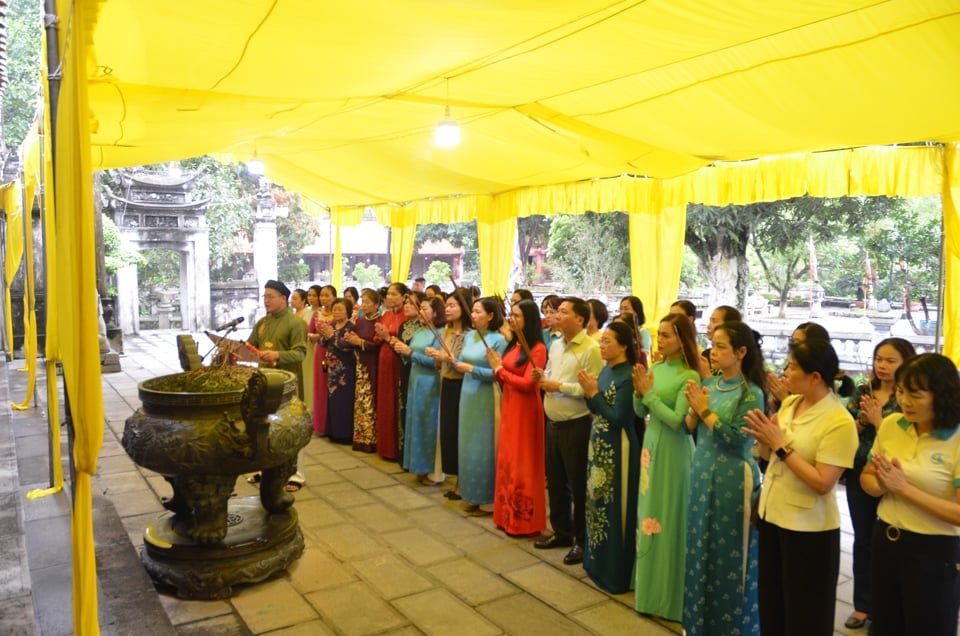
[340, 99]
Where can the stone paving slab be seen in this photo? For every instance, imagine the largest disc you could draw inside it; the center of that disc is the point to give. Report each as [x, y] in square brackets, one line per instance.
[347, 541]
[355, 610]
[402, 498]
[419, 547]
[318, 570]
[345, 495]
[438, 613]
[471, 582]
[612, 617]
[271, 605]
[391, 576]
[555, 588]
[367, 478]
[379, 518]
[522, 614]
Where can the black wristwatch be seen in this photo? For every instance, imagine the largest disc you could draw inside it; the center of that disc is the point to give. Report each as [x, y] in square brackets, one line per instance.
[782, 452]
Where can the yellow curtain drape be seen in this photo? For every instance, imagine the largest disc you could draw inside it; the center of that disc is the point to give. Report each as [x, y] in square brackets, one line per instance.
[52, 345]
[30, 160]
[495, 240]
[336, 269]
[656, 250]
[950, 318]
[12, 194]
[403, 231]
[76, 271]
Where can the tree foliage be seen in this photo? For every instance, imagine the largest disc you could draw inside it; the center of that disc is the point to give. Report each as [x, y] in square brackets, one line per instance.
[294, 232]
[591, 252]
[719, 237]
[21, 97]
[229, 216]
[367, 275]
[463, 235]
[438, 273]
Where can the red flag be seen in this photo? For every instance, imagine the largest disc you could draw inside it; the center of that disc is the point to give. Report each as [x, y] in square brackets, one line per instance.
[814, 266]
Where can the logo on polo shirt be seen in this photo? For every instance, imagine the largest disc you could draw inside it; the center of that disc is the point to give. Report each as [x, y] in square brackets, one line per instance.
[938, 458]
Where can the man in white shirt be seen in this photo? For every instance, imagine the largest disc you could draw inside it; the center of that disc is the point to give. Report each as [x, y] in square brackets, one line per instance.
[568, 428]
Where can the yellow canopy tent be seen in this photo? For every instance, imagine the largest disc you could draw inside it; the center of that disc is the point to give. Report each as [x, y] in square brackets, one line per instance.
[566, 106]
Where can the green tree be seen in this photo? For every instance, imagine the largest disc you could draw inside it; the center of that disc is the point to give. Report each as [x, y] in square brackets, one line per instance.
[463, 235]
[367, 275]
[230, 213]
[21, 96]
[294, 232]
[719, 237]
[590, 252]
[782, 231]
[438, 273]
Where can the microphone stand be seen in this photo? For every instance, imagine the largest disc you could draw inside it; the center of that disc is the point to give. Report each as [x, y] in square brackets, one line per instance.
[216, 345]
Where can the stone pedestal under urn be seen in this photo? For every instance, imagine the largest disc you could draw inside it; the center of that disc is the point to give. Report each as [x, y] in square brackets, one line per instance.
[201, 430]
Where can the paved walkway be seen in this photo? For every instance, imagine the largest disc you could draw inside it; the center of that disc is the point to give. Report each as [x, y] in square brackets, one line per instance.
[384, 554]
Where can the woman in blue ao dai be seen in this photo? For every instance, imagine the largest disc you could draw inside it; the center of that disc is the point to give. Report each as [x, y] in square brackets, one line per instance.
[479, 404]
[721, 578]
[423, 392]
[664, 471]
[613, 463]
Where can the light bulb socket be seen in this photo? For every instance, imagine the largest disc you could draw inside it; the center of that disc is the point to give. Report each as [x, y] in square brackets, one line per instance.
[447, 134]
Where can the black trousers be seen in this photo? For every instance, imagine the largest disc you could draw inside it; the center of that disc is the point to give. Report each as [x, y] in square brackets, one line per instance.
[798, 574]
[863, 515]
[916, 583]
[450, 424]
[566, 448]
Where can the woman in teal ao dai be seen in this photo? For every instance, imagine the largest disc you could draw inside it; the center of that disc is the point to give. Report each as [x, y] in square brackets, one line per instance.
[721, 571]
[613, 464]
[664, 470]
[423, 391]
[479, 404]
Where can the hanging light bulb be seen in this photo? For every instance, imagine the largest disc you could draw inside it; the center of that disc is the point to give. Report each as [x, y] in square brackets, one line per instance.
[255, 166]
[447, 134]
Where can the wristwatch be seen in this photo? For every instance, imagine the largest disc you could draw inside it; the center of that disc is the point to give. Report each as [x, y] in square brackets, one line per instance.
[705, 414]
[783, 451]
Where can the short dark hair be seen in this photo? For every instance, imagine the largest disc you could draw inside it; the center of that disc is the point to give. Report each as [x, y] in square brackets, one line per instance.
[419, 279]
[599, 310]
[935, 373]
[637, 306]
[688, 307]
[524, 294]
[580, 308]
[493, 307]
[436, 289]
[346, 302]
[813, 330]
[729, 313]
[818, 355]
[353, 292]
[439, 311]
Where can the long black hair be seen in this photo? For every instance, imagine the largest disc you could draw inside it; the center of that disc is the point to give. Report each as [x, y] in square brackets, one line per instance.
[901, 346]
[532, 330]
[741, 335]
[625, 338]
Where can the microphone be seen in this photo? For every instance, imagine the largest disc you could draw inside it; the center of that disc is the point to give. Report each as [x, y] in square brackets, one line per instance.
[229, 325]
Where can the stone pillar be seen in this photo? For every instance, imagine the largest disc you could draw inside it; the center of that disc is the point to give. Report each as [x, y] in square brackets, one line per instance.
[265, 236]
[128, 300]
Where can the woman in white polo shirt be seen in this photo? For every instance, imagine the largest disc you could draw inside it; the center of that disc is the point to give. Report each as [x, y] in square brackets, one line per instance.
[809, 446]
[915, 469]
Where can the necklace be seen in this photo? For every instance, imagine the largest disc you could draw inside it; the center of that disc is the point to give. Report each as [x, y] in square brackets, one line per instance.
[736, 386]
